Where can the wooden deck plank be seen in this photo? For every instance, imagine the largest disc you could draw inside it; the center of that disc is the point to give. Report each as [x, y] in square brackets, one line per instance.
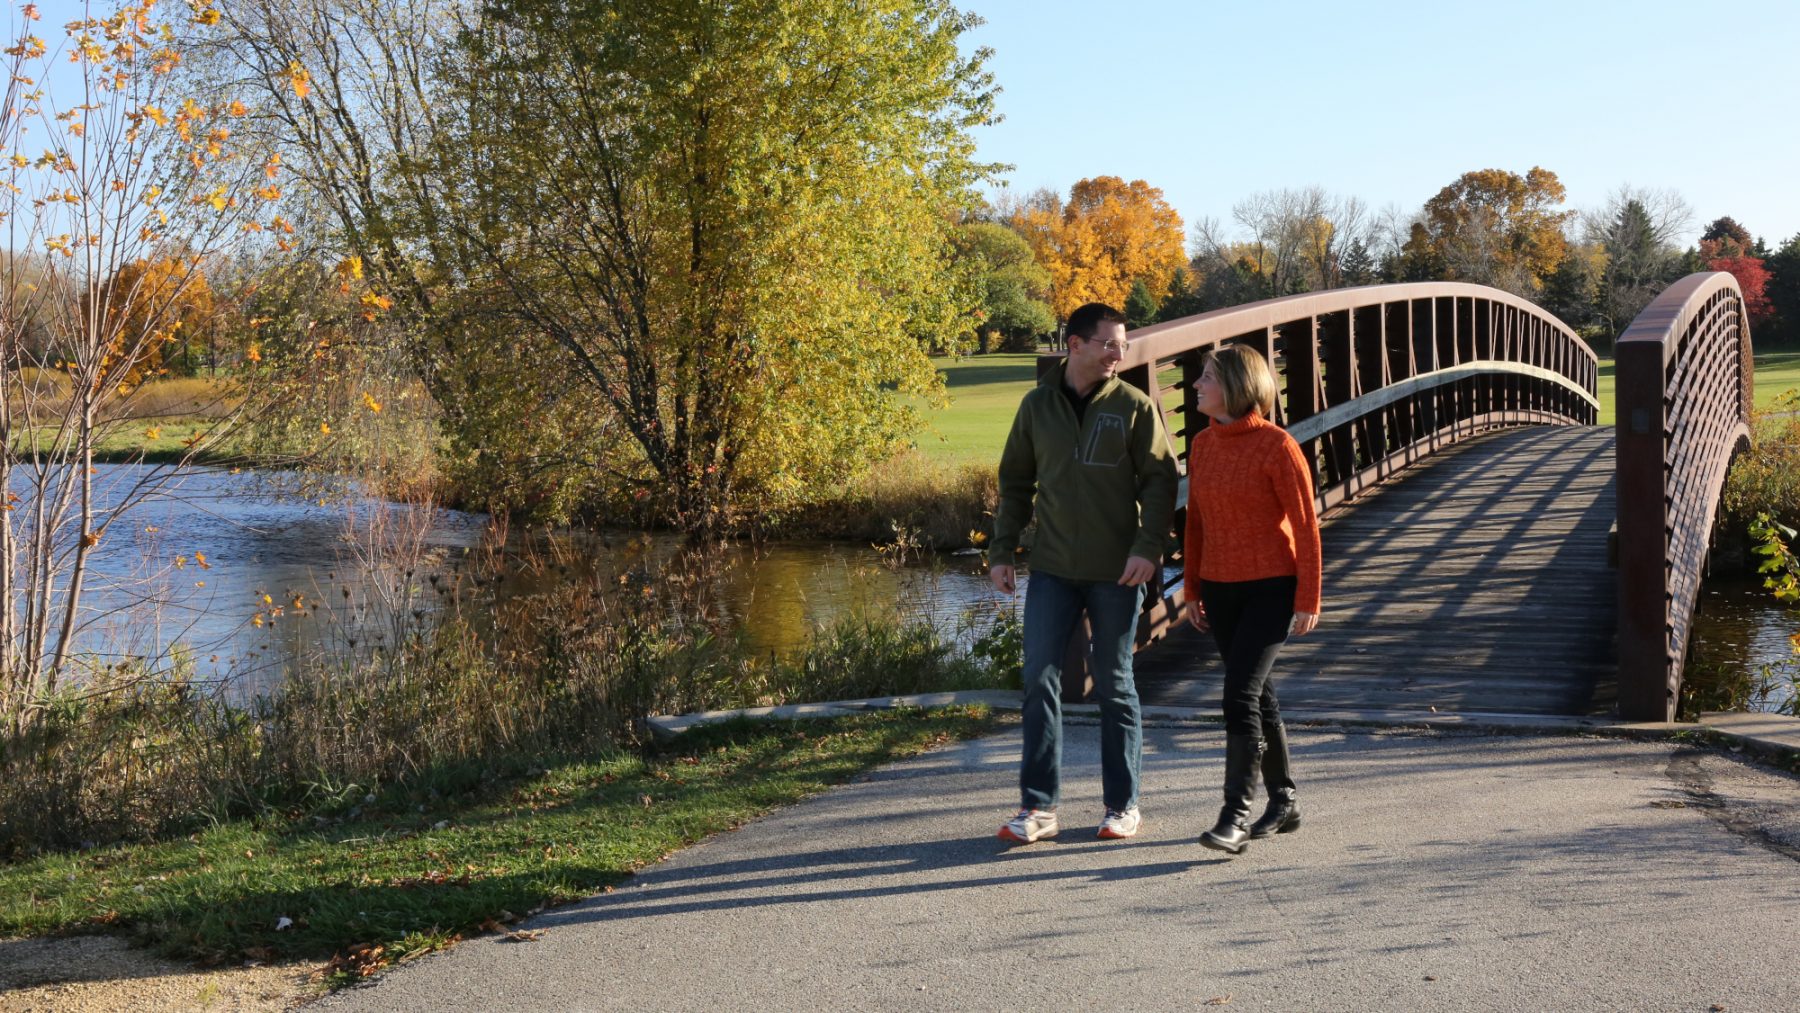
[1477, 581]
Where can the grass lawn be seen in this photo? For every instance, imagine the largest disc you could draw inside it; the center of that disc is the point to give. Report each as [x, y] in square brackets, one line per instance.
[155, 440]
[375, 879]
[985, 391]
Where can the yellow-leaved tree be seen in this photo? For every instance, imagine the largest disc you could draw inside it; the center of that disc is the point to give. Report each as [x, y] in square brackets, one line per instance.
[1107, 235]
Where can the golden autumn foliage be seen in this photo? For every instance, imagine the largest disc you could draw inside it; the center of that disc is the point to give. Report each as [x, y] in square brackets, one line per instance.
[159, 306]
[1495, 227]
[1108, 234]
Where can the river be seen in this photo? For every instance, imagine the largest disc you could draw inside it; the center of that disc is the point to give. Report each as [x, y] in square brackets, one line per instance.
[243, 579]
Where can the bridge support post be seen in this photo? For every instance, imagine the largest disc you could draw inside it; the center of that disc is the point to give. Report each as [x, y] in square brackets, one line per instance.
[1647, 690]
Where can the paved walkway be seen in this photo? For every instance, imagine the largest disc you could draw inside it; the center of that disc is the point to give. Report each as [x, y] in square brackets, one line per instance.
[1435, 870]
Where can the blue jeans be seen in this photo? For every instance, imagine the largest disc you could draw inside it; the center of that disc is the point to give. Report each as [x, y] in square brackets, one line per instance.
[1053, 607]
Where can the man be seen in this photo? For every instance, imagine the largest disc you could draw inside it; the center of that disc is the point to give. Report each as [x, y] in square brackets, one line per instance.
[1088, 452]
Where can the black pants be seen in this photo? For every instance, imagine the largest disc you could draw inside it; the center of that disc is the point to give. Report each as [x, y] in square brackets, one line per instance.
[1250, 621]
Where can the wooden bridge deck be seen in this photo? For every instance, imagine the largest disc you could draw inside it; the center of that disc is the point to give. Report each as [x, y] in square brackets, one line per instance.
[1477, 581]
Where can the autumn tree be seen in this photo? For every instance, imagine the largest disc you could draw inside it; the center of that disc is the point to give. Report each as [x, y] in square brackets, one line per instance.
[107, 182]
[1726, 228]
[1751, 274]
[1495, 227]
[163, 306]
[1105, 236]
[716, 238]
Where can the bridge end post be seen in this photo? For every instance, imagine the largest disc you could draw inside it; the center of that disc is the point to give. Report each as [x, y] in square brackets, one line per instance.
[1646, 689]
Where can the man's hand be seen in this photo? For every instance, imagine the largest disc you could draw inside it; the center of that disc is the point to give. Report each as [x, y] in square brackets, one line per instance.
[1004, 578]
[1304, 623]
[1137, 570]
[1196, 615]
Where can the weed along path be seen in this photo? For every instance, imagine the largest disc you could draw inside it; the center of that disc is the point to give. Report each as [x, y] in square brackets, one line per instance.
[1433, 871]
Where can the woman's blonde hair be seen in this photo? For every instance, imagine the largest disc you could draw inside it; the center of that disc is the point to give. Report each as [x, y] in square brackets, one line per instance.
[1244, 376]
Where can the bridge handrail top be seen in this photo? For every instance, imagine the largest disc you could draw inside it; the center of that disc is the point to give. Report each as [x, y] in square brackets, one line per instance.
[1147, 344]
[1673, 309]
[1314, 426]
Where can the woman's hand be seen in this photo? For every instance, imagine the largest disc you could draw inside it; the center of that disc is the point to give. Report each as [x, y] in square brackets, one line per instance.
[1304, 623]
[1196, 614]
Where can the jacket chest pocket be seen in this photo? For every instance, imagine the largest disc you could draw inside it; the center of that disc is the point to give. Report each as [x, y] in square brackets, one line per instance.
[1106, 443]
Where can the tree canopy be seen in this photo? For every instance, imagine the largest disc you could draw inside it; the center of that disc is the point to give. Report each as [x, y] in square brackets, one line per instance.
[716, 238]
[1495, 227]
[1107, 235]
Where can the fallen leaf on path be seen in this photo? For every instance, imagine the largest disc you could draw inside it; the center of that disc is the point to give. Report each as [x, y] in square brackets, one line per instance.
[1218, 1000]
[525, 935]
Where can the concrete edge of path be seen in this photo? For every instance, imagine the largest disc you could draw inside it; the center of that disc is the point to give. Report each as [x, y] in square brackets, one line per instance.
[1774, 733]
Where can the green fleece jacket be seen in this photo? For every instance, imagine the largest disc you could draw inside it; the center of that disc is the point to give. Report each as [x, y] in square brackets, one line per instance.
[1103, 488]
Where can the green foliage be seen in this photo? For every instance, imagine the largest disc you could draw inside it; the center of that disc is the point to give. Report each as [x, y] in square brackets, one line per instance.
[733, 222]
[1779, 568]
[1140, 305]
[1572, 291]
[1638, 266]
[1010, 287]
[1783, 289]
[1183, 299]
[1765, 480]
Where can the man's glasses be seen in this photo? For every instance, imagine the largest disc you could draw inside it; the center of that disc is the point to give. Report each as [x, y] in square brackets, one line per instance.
[1111, 346]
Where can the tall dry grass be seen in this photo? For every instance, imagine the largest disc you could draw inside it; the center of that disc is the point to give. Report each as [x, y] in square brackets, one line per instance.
[933, 504]
[499, 678]
[43, 396]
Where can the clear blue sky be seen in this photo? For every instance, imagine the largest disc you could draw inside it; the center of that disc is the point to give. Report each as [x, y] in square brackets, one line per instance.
[1391, 101]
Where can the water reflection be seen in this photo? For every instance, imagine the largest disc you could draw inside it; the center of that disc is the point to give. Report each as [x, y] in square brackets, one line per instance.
[243, 580]
[1739, 627]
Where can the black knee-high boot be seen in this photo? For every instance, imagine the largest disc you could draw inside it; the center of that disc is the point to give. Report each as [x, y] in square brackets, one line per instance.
[1282, 816]
[1233, 832]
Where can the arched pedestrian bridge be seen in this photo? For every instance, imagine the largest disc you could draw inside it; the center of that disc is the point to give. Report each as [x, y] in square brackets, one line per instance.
[1488, 547]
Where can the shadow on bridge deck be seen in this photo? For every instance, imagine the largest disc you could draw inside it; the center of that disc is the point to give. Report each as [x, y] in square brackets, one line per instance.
[1477, 581]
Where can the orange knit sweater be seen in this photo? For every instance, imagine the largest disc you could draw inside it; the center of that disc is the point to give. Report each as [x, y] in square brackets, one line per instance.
[1250, 509]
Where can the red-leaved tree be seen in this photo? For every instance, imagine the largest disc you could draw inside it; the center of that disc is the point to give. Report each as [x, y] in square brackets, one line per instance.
[1752, 277]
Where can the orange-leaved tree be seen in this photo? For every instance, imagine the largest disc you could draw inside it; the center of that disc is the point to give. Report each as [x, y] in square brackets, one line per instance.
[1108, 234]
[161, 305]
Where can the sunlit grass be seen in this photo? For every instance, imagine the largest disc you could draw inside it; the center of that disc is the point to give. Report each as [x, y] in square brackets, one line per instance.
[384, 874]
[985, 392]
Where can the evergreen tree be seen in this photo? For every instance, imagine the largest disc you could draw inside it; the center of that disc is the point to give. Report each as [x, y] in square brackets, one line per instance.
[1783, 289]
[1140, 305]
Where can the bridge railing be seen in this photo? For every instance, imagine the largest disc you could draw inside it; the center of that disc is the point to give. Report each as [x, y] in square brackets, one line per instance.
[1371, 380]
[1684, 396]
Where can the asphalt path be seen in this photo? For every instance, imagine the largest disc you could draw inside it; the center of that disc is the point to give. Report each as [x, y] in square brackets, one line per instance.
[1434, 871]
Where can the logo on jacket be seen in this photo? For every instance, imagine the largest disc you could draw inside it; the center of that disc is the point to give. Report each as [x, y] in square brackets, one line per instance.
[1107, 442]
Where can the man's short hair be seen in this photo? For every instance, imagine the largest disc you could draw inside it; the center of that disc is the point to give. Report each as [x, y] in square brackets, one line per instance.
[1085, 322]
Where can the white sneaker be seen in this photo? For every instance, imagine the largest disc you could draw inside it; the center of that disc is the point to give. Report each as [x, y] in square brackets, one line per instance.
[1120, 823]
[1030, 825]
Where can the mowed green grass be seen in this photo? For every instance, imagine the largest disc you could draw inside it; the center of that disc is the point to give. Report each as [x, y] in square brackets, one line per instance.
[985, 391]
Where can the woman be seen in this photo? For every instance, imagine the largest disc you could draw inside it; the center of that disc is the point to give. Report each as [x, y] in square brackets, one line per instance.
[1252, 576]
